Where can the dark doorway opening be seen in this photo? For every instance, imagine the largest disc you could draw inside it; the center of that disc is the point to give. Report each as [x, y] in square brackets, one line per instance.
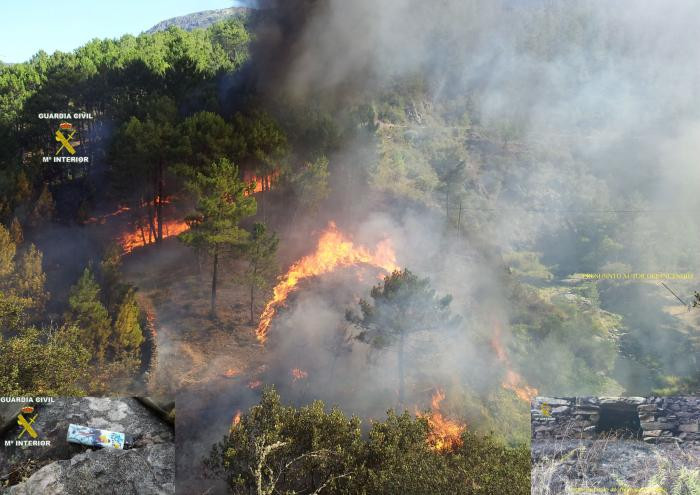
[620, 421]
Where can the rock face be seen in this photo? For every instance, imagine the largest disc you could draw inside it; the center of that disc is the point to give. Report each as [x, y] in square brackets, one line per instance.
[145, 471]
[653, 419]
[198, 19]
[65, 468]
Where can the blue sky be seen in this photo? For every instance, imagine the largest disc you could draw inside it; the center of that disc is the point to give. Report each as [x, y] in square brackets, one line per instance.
[32, 25]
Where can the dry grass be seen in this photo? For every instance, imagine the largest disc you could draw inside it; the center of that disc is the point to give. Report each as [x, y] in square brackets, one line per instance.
[612, 465]
[192, 346]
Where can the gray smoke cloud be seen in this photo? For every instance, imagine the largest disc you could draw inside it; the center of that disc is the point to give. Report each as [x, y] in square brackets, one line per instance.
[601, 100]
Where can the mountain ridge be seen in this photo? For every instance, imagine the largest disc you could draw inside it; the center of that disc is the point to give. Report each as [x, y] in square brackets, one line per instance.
[198, 20]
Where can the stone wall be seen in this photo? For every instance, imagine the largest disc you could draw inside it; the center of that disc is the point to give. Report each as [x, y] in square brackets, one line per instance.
[662, 419]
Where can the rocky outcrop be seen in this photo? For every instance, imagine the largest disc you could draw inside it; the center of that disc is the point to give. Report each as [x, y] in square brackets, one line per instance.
[144, 471]
[653, 419]
[198, 20]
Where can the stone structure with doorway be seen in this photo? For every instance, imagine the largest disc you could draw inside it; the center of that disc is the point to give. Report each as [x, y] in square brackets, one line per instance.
[652, 419]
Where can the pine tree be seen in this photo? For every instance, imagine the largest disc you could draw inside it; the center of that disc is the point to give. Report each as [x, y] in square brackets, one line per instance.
[30, 277]
[402, 305]
[7, 253]
[16, 231]
[111, 280]
[222, 201]
[127, 328]
[310, 184]
[260, 254]
[89, 314]
[43, 208]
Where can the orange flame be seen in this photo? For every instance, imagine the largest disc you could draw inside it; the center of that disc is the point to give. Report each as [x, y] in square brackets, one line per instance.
[236, 419]
[445, 434]
[151, 324]
[103, 219]
[512, 381]
[299, 374]
[334, 251]
[231, 372]
[135, 239]
[260, 181]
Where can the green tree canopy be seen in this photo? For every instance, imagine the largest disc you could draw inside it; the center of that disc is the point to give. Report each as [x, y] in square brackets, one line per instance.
[223, 200]
[260, 254]
[127, 327]
[32, 363]
[207, 138]
[30, 277]
[89, 314]
[141, 154]
[281, 449]
[7, 252]
[403, 304]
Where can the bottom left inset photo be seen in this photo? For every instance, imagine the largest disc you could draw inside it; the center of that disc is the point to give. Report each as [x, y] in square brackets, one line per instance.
[86, 445]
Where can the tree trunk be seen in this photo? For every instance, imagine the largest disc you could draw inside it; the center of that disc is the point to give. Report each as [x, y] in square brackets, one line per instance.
[447, 203]
[262, 203]
[252, 303]
[213, 281]
[159, 206]
[459, 219]
[401, 371]
[151, 224]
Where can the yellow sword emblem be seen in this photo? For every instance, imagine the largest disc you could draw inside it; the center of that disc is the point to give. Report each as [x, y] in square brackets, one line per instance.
[27, 425]
[65, 142]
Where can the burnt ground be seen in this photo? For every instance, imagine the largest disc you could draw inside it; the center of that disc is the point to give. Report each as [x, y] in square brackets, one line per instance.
[208, 363]
[610, 465]
[192, 347]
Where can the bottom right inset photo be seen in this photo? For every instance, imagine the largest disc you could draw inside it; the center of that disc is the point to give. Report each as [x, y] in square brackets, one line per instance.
[625, 445]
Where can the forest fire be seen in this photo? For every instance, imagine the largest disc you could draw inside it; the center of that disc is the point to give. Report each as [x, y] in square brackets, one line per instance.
[512, 381]
[141, 237]
[333, 251]
[231, 373]
[262, 183]
[236, 419]
[298, 374]
[445, 434]
[253, 384]
[144, 234]
[103, 218]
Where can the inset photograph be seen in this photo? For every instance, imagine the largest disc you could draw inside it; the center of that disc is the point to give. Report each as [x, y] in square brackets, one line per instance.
[586, 445]
[84, 446]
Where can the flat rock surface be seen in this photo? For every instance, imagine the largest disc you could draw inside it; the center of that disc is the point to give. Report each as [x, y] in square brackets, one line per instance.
[148, 470]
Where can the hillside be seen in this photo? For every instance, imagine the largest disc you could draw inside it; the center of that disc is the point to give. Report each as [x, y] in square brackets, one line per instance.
[198, 20]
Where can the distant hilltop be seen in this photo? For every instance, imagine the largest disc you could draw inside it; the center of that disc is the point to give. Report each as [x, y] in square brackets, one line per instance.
[198, 19]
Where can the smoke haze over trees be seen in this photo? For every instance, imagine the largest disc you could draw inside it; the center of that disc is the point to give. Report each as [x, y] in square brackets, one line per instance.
[500, 149]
